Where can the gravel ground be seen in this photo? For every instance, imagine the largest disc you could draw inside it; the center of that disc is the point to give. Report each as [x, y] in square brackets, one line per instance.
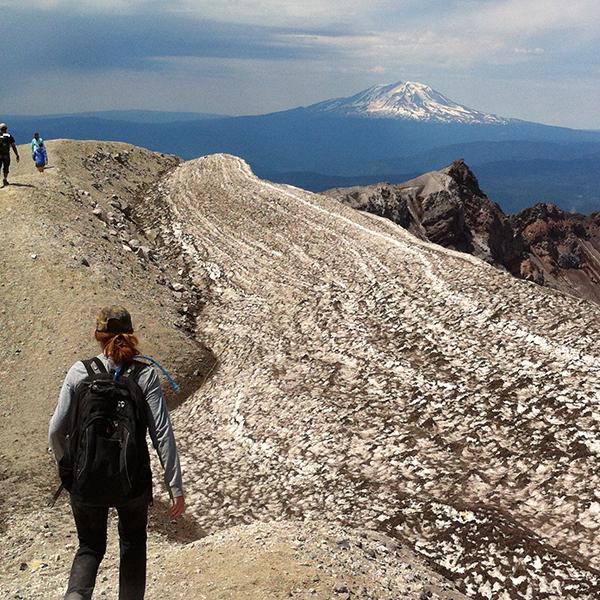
[337, 372]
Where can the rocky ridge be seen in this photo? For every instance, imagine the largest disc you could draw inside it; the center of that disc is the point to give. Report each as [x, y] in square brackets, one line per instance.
[389, 383]
[543, 244]
[78, 237]
[564, 247]
[366, 378]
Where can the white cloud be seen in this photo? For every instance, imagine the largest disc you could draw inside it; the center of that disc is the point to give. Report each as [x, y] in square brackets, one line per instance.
[529, 51]
[533, 17]
[334, 47]
[84, 6]
[289, 13]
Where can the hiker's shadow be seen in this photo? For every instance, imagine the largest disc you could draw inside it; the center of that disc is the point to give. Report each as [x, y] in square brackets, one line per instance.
[25, 185]
[183, 530]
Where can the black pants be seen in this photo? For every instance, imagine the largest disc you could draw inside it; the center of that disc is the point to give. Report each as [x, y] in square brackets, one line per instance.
[5, 165]
[91, 523]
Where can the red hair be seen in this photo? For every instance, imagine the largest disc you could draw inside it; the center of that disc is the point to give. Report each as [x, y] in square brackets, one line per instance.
[121, 347]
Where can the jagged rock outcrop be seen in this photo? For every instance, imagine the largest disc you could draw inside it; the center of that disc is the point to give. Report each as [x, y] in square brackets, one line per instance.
[543, 244]
[446, 207]
[564, 247]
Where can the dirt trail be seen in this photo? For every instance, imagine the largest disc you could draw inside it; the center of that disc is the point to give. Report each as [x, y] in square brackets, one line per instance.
[59, 264]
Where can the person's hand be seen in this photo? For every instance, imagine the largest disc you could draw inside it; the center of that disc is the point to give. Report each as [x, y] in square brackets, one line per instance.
[177, 507]
[18, 158]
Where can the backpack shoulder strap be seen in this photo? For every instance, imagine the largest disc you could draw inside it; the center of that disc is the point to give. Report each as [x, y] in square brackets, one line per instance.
[94, 366]
[134, 369]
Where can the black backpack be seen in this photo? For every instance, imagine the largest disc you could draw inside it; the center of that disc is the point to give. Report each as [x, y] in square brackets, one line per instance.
[106, 462]
[5, 144]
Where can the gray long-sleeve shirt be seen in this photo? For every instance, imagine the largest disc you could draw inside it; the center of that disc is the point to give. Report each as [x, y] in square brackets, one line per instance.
[159, 424]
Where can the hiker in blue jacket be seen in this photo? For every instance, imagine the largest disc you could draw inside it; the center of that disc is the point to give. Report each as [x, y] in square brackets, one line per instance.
[38, 152]
[114, 386]
[40, 158]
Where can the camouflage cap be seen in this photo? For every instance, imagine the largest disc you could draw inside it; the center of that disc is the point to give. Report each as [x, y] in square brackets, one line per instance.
[114, 319]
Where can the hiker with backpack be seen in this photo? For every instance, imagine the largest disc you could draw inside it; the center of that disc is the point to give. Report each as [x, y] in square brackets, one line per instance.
[98, 436]
[40, 158]
[38, 152]
[7, 142]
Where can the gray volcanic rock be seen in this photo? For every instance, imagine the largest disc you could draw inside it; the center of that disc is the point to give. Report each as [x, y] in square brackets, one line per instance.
[446, 207]
[543, 244]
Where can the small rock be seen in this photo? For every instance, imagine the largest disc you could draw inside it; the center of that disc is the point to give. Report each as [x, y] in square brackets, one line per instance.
[145, 251]
[134, 244]
[85, 262]
[36, 565]
[34, 256]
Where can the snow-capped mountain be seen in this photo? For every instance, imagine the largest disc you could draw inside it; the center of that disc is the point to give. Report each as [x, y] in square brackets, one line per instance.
[405, 100]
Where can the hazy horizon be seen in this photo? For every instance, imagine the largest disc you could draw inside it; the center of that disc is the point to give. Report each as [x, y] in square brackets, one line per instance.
[536, 61]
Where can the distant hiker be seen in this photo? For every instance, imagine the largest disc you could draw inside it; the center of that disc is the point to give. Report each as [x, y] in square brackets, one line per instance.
[39, 156]
[36, 141]
[7, 142]
[98, 436]
[39, 153]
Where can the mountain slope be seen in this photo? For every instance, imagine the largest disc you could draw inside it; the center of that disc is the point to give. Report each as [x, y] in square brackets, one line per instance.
[564, 246]
[381, 380]
[71, 242]
[405, 100]
[542, 243]
[368, 378]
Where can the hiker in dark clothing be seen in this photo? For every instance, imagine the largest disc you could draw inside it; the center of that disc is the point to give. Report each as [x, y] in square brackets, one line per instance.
[7, 142]
[98, 435]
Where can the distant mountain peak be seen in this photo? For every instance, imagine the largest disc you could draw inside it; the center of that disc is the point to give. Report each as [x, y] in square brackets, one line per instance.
[408, 100]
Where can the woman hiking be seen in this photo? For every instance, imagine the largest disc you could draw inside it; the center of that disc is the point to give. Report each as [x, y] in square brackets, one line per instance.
[98, 436]
[38, 152]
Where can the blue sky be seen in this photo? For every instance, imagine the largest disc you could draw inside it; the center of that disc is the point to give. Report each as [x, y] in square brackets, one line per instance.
[531, 59]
